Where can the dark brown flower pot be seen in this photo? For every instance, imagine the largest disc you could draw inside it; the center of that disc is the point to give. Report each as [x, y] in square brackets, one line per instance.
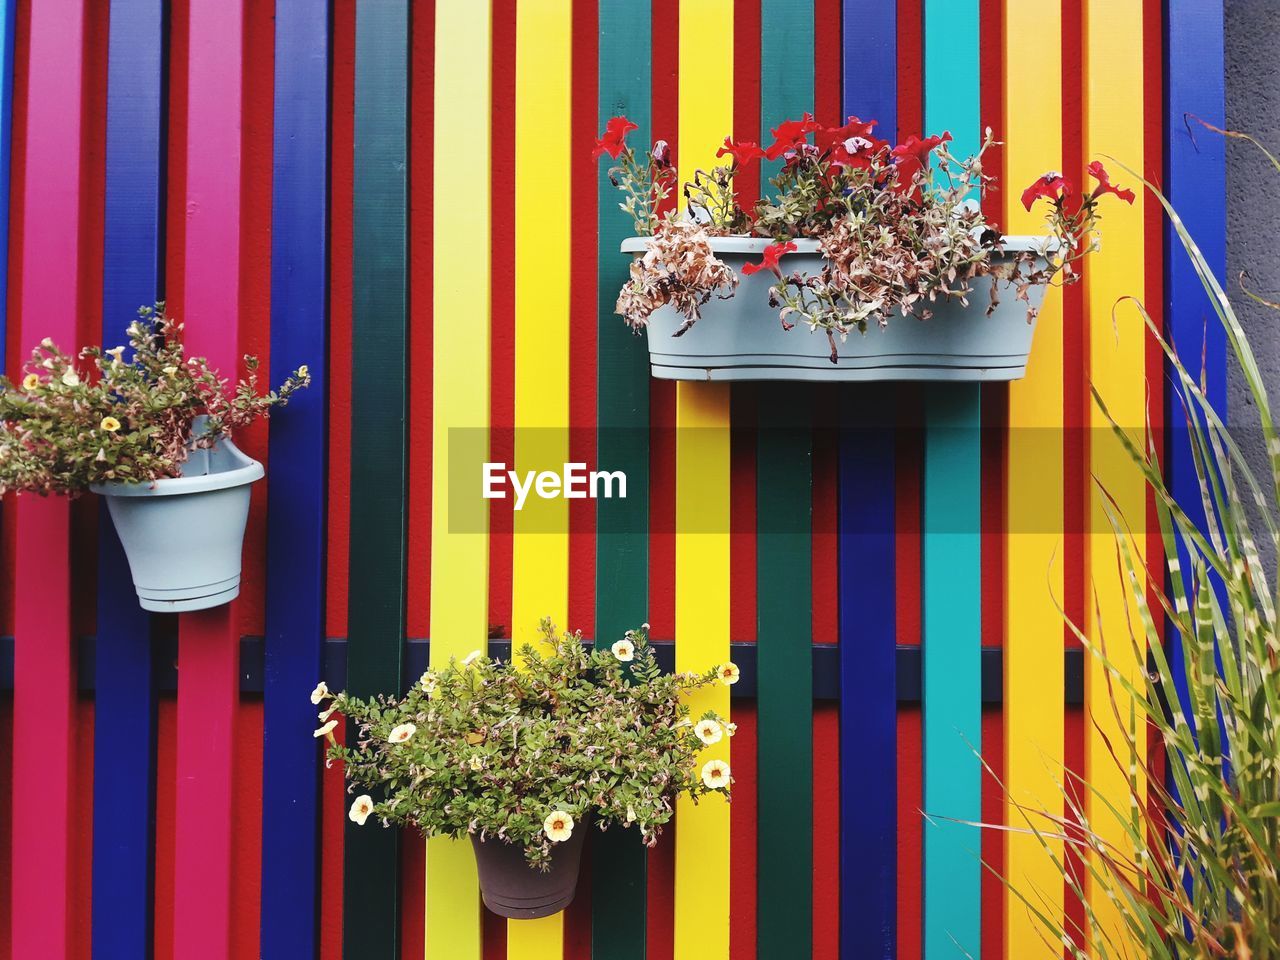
[511, 888]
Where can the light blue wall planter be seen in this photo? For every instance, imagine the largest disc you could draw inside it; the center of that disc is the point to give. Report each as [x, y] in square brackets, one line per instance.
[183, 536]
[742, 339]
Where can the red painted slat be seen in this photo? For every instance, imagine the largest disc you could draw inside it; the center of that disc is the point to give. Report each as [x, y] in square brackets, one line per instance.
[208, 689]
[246, 854]
[661, 881]
[43, 728]
[166, 805]
[826, 832]
[742, 814]
[910, 834]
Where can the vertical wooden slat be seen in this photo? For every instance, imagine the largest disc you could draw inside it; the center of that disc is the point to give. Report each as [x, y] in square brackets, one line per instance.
[1196, 185]
[702, 508]
[540, 552]
[124, 708]
[784, 478]
[208, 647]
[8, 18]
[378, 409]
[1033, 722]
[460, 416]
[44, 693]
[618, 873]
[867, 549]
[952, 506]
[1114, 86]
[296, 484]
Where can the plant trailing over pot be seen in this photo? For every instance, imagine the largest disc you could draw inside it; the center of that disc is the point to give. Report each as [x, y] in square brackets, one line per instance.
[522, 756]
[873, 230]
[150, 429]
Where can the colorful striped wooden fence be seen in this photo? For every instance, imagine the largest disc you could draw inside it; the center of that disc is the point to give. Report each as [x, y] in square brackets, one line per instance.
[401, 195]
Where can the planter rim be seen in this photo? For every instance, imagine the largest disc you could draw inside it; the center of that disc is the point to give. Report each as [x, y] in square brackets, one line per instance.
[1021, 243]
[245, 470]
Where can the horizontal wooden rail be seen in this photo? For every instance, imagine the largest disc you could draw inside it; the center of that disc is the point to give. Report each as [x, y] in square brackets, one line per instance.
[826, 674]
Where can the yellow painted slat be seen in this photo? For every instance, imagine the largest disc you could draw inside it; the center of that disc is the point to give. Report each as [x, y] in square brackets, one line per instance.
[460, 417]
[1033, 722]
[540, 579]
[1113, 127]
[702, 508]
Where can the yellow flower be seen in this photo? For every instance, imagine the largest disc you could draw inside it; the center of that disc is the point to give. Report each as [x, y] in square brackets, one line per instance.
[558, 826]
[70, 378]
[361, 807]
[320, 692]
[708, 731]
[728, 673]
[170, 370]
[715, 774]
[30, 382]
[401, 733]
[624, 651]
[324, 731]
[110, 424]
[476, 762]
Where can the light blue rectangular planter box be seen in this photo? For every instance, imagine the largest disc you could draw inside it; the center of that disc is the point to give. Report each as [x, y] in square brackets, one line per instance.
[183, 535]
[742, 339]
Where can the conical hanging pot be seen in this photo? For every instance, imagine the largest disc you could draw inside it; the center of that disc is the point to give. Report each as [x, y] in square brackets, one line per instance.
[513, 889]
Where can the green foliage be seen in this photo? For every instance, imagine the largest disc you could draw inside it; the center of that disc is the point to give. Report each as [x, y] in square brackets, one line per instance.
[496, 749]
[101, 416]
[1198, 873]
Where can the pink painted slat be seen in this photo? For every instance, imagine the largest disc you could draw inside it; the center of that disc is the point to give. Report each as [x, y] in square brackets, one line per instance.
[44, 693]
[208, 645]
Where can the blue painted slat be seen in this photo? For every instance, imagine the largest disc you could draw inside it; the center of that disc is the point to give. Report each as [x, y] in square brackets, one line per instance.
[8, 10]
[124, 728]
[952, 552]
[868, 699]
[1196, 184]
[296, 482]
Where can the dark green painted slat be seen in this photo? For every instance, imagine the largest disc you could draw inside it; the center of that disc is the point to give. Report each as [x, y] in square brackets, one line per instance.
[378, 489]
[618, 873]
[784, 490]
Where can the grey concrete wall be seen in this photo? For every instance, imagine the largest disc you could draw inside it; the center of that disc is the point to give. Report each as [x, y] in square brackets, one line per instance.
[1253, 201]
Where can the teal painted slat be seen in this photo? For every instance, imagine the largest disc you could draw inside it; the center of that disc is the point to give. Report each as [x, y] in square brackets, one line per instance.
[784, 487]
[378, 486]
[952, 502]
[618, 871]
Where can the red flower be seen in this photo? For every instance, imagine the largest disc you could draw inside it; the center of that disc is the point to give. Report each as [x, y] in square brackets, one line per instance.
[742, 151]
[769, 261]
[790, 134]
[912, 155]
[1099, 173]
[614, 140]
[1051, 186]
[829, 136]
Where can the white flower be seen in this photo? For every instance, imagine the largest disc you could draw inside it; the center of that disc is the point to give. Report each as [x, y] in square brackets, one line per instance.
[303, 372]
[624, 651]
[320, 692]
[327, 729]
[631, 814]
[475, 762]
[715, 774]
[401, 733]
[114, 352]
[728, 673]
[70, 378]
[685, 722]
[708, 731]
[326, 714]
[428, 682]
[730, 728]
[361, 807]
[644, 627]
[471, 658]
[170, 370]
[558, 826]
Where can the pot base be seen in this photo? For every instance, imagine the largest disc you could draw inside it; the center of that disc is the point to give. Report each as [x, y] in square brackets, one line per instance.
[164, 601]
[513, 889]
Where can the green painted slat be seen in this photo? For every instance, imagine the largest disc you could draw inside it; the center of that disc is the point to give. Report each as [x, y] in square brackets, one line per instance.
[618, 871]
[952, 552]
[378, 488]
[784, 675]
[784, 476]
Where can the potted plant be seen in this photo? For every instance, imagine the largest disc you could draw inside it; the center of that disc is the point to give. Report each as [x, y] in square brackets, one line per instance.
[150, 431]
[524, 759]
[879, 239]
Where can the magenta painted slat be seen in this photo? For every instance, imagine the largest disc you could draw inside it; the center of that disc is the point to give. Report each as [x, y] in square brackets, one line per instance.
[44, 696]
[208, 648]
